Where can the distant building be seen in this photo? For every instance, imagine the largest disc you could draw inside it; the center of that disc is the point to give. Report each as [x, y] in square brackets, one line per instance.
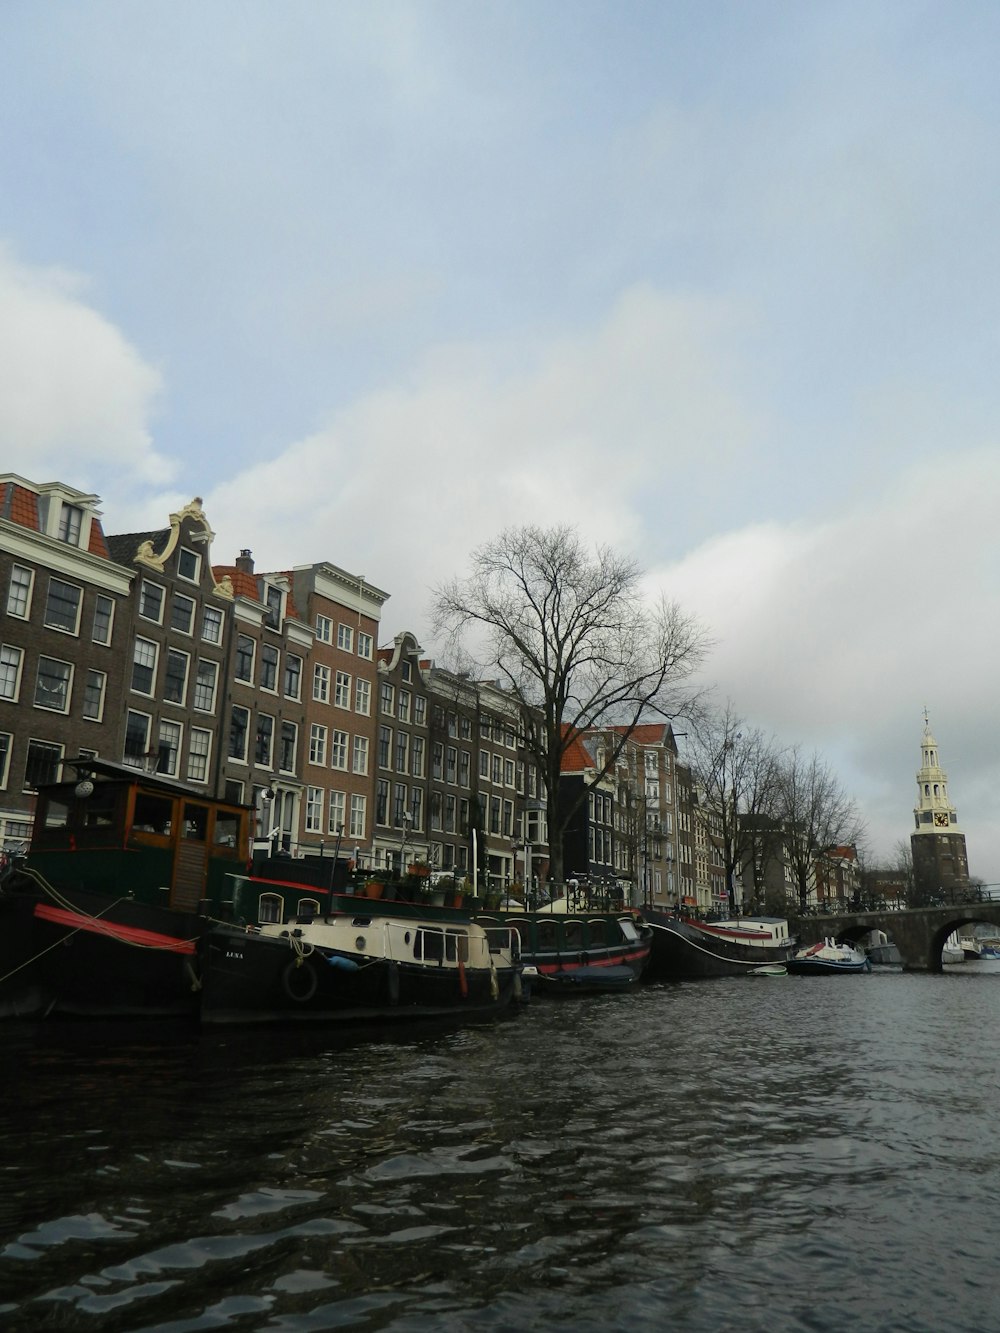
[940, 863]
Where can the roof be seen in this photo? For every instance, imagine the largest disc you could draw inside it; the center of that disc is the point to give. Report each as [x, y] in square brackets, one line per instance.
[19, 505]
[124, 546]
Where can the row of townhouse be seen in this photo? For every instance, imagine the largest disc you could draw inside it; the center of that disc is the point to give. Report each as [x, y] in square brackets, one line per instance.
[267, 688]
[645, 824]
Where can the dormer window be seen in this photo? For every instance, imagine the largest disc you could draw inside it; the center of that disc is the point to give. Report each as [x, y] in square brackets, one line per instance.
[188, 564]
[273, 617]
[70, 524]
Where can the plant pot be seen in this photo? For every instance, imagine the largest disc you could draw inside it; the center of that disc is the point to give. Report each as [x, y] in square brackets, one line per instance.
[374, 888]
[437, 898]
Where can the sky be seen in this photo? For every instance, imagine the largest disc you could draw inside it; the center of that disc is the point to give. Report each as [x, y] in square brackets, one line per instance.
[717, 283]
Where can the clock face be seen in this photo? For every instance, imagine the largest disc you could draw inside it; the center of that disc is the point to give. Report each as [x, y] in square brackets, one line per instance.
[942, 820]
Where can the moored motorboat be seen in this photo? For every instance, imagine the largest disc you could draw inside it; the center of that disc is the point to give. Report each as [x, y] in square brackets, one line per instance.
[684, 948]
[569, 946]
[827, 957]
[362, 961]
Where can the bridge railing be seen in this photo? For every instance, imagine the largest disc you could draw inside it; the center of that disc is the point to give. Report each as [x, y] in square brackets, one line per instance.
[960, 896]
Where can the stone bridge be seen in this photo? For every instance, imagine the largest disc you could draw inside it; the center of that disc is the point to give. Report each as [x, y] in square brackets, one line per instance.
[917, 932]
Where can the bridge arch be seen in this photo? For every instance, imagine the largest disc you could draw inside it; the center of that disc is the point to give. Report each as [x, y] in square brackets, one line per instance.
[918, 933]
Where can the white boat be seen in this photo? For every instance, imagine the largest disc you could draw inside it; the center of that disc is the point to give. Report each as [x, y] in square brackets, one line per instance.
[827, 957]
[952, 951]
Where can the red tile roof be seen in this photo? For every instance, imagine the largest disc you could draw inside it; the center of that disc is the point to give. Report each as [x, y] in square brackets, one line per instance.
[244, 584]
[19, 505]
[98, 542]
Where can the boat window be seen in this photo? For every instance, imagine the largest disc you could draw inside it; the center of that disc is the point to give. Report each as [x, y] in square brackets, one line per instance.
[573, 934]
[227, 829]
[269, 907]
[628, 928]
[598, 932]
[307, 907]
[429, 946]
[457, 946]
[195, 822]
[152, 813]
[57, 814]
[548, 935]
[99, 809]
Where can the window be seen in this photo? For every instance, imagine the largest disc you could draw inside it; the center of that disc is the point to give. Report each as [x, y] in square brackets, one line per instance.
[42, 764]
[136, 736]
[402, 751]
[404, 705]
[265, 740]
[204, 685]
[497, 769]
[365, 644]
[199, 754]
[338, 749]
[384, 746]
[168, 749]
[419, 710]
[188, 564]
[244, 657]
[362, 696]
[465, 727]
[345, 638]
[317, 744]
[70, 524]
[336, 812]
[104, 614]
[452, 725]
[293, 676]
[508, 772]
[62, 607]
[175, 676]
[234, 791]
[399, 806]
[451, 760]
[386, 697]
[463, 817]
[360, 760]
[417, 756]
[289, 744]
[484, 764]
[436, 811]
[151, 602]
[382, 789]
[508, 819]
[342, 690]
[5, 745]
[321, 683]
[52, 685]
[464, 768]
[182, 613]
[314, 809]
[359, 815]
[143, 666]
[93, 695]
[10, 671]
[211, 625]
[273, 616]
[437, 760]
[495, 808]
[324, 629]
[269, 668]
[417, 807]
[449, 814]
[239, 728]
[19, 592]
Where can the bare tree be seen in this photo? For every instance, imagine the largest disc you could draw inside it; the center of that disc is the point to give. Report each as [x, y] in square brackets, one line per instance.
[816, 811]
[738, 766]
[571, 636]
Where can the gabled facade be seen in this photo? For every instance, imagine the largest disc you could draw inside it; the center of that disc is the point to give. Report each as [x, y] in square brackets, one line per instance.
[264, 706]
[176, 642]
[400, 835]
[65, 624]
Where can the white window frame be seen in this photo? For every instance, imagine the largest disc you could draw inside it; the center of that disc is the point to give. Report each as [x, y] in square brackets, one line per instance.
[345, 638]
[342, 690]
[198, 737]
[366, 645]
[146, 588]
[359, 756]
[340, 742]
[102, 686]
[11, 657]
[20, 595]
[67, 685]
[321, 683]
[317, 744]
[63, 629]
[359, 816]
[324, 629]
[362, 696]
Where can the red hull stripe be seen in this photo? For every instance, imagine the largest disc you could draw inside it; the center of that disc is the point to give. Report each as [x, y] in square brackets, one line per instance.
[151, 939]
[568, 966]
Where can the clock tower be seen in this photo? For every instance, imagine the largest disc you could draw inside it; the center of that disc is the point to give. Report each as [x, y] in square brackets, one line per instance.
[940, 864]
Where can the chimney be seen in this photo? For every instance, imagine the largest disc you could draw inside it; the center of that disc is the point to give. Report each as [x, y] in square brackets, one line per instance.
[244, 561]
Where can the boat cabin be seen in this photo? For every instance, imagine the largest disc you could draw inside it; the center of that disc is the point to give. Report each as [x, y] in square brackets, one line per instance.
[118, 830]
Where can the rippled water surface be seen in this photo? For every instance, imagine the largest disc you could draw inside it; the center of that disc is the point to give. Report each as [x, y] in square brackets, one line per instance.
[790, 1153]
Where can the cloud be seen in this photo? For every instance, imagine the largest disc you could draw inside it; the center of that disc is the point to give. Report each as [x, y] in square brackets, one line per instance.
[837, 635]
[75, 397]
[583, 429]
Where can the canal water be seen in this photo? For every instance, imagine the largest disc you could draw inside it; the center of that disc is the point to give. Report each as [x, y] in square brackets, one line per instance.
[756, 1153]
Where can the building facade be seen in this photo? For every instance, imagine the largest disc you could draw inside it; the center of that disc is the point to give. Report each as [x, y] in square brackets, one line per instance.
[940, 861]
